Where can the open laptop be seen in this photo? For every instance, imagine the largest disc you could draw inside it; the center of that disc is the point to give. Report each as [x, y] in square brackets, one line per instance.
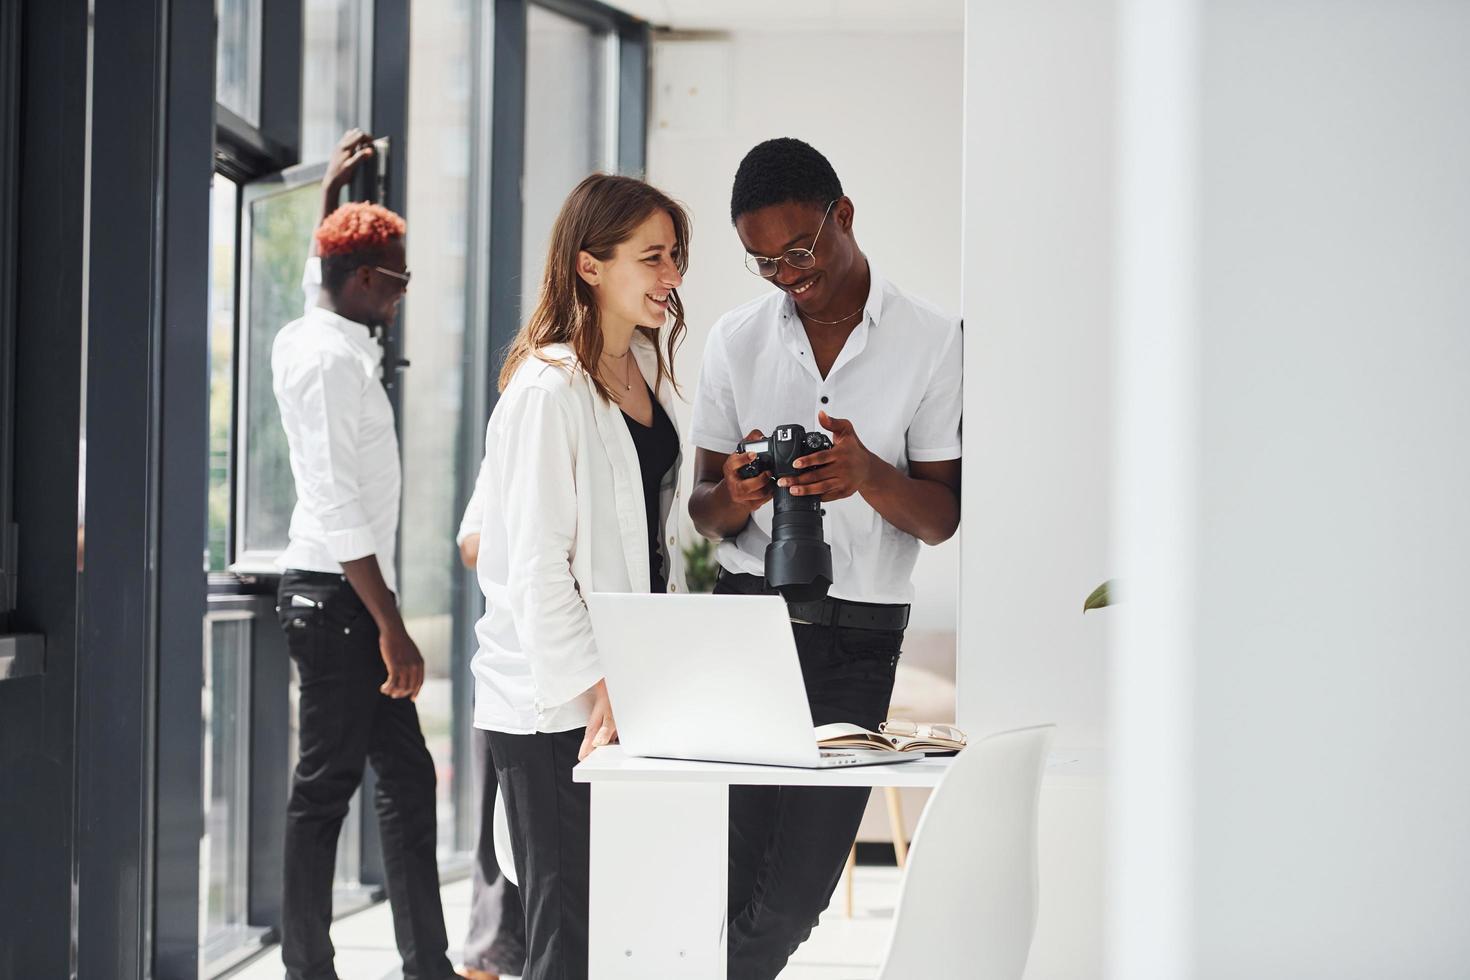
[712, 678]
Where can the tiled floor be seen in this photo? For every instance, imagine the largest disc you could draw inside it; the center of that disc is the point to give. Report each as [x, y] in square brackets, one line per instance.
[839, 948]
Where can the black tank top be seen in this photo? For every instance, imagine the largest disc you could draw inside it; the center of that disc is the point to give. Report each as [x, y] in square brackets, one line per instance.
[658, 447]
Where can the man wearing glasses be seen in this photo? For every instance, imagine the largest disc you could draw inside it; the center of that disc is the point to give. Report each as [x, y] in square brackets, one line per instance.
[359, 669]
[836, 346]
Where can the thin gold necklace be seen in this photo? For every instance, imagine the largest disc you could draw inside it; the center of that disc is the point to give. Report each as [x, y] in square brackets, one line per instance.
[627, 375]
[829, 323]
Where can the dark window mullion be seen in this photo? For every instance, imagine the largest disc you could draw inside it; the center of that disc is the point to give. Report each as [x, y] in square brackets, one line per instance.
[633, 55]
[9, 140]
[280, 77]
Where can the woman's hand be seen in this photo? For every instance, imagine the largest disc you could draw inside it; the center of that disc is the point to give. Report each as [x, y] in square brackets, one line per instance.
[601, 728]
[469, 550]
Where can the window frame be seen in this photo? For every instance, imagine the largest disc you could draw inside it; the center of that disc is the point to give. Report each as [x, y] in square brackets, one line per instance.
[246, 154]
[240, 560]
[627, 69]
[9, 176]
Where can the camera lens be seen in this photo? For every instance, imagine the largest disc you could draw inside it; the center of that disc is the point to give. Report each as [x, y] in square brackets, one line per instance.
[798, 560]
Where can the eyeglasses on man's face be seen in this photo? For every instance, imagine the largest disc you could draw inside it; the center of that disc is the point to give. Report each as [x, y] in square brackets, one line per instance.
[402, 277]
[797, 258]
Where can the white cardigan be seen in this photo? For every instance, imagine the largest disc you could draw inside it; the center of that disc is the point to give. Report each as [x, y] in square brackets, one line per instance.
[563, 514]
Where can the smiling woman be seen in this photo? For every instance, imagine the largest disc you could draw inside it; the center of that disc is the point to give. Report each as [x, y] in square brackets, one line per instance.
[588, 275]
[580, 495]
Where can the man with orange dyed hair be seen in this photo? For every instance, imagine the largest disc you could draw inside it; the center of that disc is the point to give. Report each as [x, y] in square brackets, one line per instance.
[360, 670]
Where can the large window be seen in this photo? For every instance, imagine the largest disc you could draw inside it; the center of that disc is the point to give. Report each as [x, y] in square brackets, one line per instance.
[439, 201]
[237, 58]
[224, 849]
[265, 205]
[336, 72]
[571, 124]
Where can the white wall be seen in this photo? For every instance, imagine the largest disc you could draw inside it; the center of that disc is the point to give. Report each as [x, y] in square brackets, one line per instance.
[884, 108]
[1038, 247]
[1324, 230]
[1037, 304]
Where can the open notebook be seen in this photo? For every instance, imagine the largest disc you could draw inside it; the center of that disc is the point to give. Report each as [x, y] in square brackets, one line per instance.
[893, 735]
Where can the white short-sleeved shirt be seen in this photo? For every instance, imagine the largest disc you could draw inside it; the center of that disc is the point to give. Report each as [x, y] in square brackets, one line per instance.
[898, 380]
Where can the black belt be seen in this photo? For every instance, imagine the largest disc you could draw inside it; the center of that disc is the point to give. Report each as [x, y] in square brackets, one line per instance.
[850, 615]
[829, 611]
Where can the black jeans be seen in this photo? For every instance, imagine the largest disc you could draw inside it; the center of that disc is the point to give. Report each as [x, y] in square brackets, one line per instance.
[344, 723]
[496, 940]
[550, 831]
[789, 844]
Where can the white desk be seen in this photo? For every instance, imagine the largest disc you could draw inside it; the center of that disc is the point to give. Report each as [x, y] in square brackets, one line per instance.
[660, 838]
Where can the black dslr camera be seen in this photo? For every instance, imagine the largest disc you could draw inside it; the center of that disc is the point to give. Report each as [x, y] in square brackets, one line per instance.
[798, 559]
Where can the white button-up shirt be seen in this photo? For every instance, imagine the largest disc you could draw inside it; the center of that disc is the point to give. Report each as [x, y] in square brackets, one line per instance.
[326, 374]
[897, 379]
[560, 499]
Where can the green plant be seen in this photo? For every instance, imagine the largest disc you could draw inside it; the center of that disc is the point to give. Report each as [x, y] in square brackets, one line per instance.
[1101, 596]
[700, 567]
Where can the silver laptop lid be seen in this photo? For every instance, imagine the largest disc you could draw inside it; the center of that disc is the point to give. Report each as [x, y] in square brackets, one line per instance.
[704, 677]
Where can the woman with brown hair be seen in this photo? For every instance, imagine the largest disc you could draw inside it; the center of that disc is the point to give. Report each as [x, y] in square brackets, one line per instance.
[579, 480]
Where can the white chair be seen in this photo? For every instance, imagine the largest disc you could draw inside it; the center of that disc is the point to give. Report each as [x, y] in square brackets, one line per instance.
[967, 904]
[500, 834]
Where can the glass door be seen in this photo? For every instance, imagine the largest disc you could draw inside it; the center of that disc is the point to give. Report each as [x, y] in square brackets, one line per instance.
[277, 217]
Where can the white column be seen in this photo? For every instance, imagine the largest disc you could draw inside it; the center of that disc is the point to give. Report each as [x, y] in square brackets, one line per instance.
[1037, 301]
[1157, 458]
[1291, 662]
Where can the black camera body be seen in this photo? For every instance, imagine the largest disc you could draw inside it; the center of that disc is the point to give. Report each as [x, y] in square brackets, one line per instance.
[798, 559]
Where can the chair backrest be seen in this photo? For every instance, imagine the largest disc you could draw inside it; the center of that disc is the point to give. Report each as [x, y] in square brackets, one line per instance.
[500, 835]
[967, 905]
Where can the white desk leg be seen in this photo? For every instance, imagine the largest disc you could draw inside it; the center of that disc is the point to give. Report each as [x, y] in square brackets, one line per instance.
[658, 881]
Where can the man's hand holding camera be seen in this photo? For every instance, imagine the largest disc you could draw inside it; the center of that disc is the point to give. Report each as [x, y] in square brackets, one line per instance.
[752, 493]
[836, 473]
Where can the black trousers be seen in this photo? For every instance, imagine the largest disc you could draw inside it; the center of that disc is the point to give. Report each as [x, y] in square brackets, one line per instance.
[496, 940]
[550, 824]
[789, 844]
[344, 723]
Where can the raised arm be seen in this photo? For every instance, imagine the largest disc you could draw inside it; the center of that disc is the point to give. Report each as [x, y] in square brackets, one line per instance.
[346, 155]
[350, 149]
